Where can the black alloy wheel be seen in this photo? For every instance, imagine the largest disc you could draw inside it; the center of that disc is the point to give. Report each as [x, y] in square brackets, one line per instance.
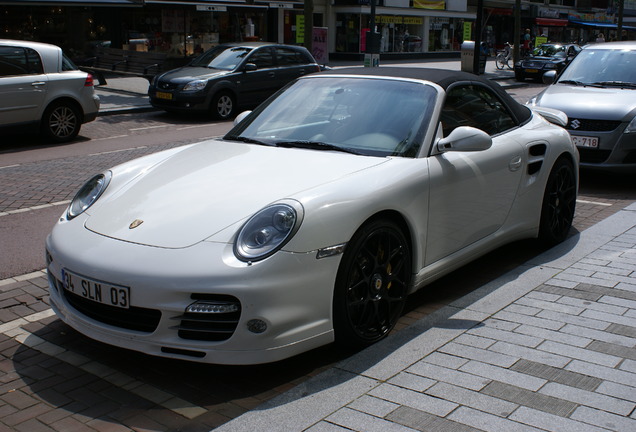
[559, 203]
[372, 284]
[61, 122]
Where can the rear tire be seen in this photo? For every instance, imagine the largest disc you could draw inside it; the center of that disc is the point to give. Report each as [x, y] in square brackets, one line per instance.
[371, 284]
[559, 203]
[61, 122]
[223, 105]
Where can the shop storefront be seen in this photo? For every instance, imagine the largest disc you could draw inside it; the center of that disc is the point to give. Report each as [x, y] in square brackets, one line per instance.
[428, 27]
[177, 28]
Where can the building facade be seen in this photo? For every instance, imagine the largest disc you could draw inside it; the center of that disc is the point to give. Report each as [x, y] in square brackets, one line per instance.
[183, 28]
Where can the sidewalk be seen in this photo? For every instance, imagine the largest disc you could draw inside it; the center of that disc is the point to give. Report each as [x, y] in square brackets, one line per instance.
[124, 95]
[550, 346]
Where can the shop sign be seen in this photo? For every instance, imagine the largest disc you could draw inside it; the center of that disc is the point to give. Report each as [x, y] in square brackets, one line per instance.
[206, 8]
[390, 19]
[468, 27]
[319, 47]
[300, 29]
[281, 5]
[430, 4]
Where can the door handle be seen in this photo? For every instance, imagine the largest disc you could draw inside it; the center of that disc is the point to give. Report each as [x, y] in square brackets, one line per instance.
[38, 83]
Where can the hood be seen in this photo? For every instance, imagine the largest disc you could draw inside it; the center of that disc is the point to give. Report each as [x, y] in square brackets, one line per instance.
[188, 73]
[590, 102]
[209, 186]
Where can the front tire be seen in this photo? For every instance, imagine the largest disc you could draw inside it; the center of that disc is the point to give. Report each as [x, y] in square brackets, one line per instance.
[223, 105]
[559, 203]
[61, 122]
[371, 284]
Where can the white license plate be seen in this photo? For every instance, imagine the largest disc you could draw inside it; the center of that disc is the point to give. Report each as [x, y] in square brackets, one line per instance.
[97, 291]
[584, 141]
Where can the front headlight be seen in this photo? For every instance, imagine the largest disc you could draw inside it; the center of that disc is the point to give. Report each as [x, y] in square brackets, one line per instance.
[88, 194]
[550, 65]
[268, 231]
[196, 85]
[631, 127]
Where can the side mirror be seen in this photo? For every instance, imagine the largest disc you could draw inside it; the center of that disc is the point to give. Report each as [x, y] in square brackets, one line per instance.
[249, 67]
[549, 77]
[464, 139]
[239, 118]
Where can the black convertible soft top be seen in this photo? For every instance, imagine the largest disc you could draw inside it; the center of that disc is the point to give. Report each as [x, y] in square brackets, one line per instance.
[442, 77]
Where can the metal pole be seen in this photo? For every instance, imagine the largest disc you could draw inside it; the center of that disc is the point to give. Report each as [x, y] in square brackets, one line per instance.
[477, 50]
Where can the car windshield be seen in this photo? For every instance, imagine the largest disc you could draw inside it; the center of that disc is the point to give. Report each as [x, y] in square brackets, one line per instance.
[221, 57]
[550, 51]
[362, 115]
[594, 66]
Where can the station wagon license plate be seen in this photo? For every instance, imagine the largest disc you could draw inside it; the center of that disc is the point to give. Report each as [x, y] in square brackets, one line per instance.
[585, 141]
[97, 291]
[164, 95]
[532, 70]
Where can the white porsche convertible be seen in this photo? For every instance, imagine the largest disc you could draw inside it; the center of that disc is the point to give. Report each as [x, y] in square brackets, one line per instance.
[312, 219]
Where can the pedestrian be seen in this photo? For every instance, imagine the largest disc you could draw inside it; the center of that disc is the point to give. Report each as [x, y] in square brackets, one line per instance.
[600, 38]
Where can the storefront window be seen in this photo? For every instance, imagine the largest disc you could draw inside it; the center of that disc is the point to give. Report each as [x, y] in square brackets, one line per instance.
[445, 34]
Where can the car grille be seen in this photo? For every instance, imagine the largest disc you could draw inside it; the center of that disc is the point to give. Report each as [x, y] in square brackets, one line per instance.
[133, 318]
[211, 327]
[165, 85]
[592, 125]
[533, 64]
[589, 155]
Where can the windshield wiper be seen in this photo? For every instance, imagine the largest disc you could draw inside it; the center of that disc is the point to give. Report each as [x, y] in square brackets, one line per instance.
[580, 83]
[248, 140]
[616, 84]
[315, 145]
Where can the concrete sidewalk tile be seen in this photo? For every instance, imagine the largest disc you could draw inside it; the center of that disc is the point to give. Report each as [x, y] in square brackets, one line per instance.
[617, 350]
[589, 280]
[604, 419]
[579, 353]
[620, 391]
[530, 354]
[603, 268]
[478, 354]
[357, 421]
[506, 336]
[587, 398]
[557, 374]
[373, 406]
[598, 335]
[530, 399]
[555, 336]
[574, 319]
[628, 365]
[487, 422]
[610, 318]
[474, 341]
[529, 320]
[595, 306]
[426, 422]
[323, 426]
[445, 360]
[450, 376]
[410, 398]
[507, 376]
[473, 399]
[629, 287]
[617, 301]
[413, 382]
[556, 307]
[550, 422]
[519, 309]
[602, 372]
[574, 291]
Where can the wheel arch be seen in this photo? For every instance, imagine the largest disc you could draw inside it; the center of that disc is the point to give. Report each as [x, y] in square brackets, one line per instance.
[65, 100]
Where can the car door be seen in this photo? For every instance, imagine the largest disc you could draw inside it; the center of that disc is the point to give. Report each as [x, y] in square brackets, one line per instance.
[291, 64]
[23, 85]
[472, 192]
[257, 85]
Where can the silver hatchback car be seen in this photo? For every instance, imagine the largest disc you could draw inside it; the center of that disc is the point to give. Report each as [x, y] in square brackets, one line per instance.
[597, 91]
[40, 86]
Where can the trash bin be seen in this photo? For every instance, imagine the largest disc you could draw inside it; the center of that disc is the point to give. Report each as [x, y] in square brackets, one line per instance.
[468, 56]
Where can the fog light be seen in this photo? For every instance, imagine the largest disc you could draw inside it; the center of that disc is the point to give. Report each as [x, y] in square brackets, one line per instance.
[256, 326]
[214, 308]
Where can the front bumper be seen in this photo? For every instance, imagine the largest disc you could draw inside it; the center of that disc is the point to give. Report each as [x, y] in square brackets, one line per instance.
[291, 293]
[179, 101]
[616, 150]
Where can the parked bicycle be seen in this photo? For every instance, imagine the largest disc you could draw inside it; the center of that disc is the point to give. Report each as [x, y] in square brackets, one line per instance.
[504, 57]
